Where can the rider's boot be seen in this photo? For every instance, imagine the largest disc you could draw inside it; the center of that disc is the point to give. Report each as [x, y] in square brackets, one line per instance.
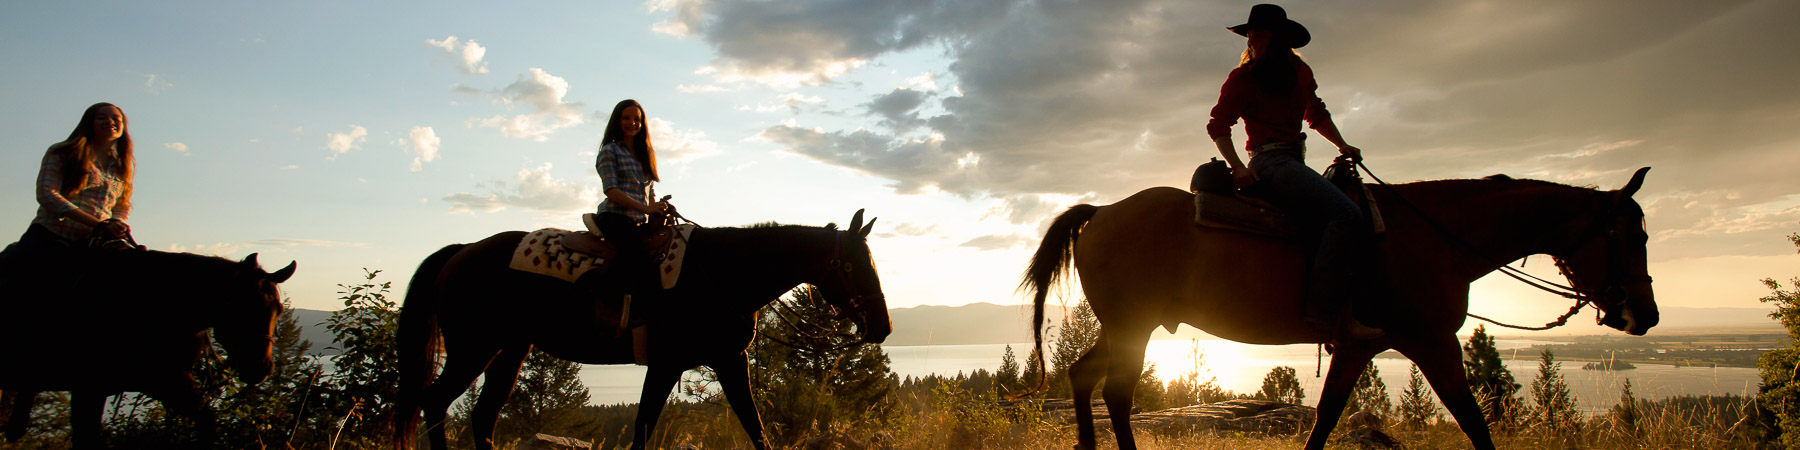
[1328, 306]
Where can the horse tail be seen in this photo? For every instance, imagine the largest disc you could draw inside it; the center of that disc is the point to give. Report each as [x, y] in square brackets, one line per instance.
[1048, 266]
[418, 342]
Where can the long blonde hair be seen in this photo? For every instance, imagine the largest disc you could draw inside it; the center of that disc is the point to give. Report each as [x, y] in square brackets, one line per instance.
[78, 157]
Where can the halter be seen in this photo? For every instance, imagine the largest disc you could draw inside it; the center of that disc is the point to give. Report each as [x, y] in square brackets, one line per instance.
[1612, 293]
[842, 271]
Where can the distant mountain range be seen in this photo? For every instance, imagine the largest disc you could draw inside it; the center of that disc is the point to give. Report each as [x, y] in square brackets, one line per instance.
[988, 323]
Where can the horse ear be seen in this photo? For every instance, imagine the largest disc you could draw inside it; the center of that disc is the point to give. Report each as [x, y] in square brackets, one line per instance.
[249, 261]
[1637, 181]
[867, 228]
[856, 221]
[283, 274]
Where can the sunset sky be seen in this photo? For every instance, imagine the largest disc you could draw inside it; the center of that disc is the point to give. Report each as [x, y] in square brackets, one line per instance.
[350, 135]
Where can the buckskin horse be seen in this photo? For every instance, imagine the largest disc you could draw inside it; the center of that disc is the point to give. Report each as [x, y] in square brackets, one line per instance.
[132, 321]
[1144, 264]
[487, 317]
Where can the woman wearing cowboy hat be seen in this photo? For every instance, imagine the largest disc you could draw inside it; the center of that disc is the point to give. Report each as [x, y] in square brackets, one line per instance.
[1272, 90]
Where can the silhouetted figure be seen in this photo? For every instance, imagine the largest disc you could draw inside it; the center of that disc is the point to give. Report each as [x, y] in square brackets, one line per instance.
[627, 168]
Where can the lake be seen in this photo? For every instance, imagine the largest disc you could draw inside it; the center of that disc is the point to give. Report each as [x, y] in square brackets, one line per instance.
[1240, 368]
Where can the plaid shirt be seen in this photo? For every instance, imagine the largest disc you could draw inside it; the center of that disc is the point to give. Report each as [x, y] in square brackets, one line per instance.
[620, 170]
[99, 197]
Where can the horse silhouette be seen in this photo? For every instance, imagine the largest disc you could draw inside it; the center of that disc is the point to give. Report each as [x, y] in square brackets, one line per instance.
[487, 317]
[1143, 265]
[132, 321]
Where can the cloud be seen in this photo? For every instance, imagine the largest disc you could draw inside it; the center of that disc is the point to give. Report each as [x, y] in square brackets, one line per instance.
[339, 143]
[996, 242]
[791, 102]
[424, 146]
[913, 229]
[532, 189]
[178, 148]
[156, 85]
[542, 93]
[898, 110]
[675, 145]
[912, 164]
[814, 41]
[466, 56]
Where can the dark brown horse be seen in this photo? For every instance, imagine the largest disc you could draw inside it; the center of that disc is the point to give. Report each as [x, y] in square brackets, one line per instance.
[1144, 265]
[489, 316]
[132, 321]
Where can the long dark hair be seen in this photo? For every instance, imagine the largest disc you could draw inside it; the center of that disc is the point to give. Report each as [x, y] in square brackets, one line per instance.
[78, 157]
[640, 149]
[1276, 72]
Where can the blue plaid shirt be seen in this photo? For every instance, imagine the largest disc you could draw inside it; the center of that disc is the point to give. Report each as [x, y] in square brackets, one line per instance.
[619, 169]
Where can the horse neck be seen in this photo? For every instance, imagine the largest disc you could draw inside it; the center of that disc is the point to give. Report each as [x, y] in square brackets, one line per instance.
[1503, 220]
[755, 266]
[177, 286]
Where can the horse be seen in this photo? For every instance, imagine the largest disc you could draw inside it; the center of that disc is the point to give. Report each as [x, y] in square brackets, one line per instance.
[1143, 264]
[487, 317]
[132, 321]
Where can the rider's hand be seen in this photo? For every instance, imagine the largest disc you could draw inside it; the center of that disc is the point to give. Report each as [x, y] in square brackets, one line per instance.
[1351, 151]
[659, 207]
[1243, 177]
[114, 227]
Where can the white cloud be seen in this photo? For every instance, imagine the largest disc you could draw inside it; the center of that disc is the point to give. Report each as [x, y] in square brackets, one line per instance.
[423, 142]
[699, 88]
[543, 94]
[532, 189]
[791, 102]
[467, 56]
[156, 85]
[230, 249]
[675, 145]
[339, 143]
[177, 147]
[214, 249]
[996, 242]
[925, 81]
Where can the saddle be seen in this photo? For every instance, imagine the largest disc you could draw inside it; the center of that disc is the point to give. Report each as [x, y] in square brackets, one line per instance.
[1218, 204]
[567, 255]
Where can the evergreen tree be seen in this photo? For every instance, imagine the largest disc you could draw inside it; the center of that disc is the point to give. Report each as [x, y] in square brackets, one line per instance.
[1370, 394]
[1488, 377]
[1281, 385]
[1555, 406]
[805, 378]
[547, 399]
[1779, 397]
[1417, 408]
[1006, 379]
[1625, 414]
[1080, 330]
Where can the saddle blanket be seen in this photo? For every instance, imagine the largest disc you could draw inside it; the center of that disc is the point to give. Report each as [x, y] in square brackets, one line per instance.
[541, 252]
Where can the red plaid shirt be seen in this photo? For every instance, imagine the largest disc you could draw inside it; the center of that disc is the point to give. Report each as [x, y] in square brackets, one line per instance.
[99, 198]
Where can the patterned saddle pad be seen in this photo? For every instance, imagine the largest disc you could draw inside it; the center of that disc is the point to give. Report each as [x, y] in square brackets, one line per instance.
[541, 252]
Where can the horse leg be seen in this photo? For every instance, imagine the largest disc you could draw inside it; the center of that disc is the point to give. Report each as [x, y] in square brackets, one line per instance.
[658, 381]
[734, 378]
[1125, 348]
[20, 419]
[1441, 364]
[85, 408]
[1084, 374]
[460, 370]
[496, 386]
[1346, 366]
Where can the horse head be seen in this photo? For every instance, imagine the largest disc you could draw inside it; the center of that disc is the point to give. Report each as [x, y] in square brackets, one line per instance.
[851, 285]
[245, 319]
[1606, 263]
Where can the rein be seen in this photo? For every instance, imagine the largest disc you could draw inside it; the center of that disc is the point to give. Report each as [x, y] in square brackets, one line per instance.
[1582, 297]
[842, 272]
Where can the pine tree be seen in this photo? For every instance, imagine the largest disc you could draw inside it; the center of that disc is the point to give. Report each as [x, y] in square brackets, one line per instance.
[804, 378]
[1780, 394]
[1370, 394]
[1282, 385]
[1417, 408]
[1080, 330]
[1555, 406]
[1488, 377]
[1006, 380]
[1625, 414]
[546, 399]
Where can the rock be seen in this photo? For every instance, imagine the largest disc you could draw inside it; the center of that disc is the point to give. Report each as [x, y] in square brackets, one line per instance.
[1362, 419]
[547, 442]
[1370, 438]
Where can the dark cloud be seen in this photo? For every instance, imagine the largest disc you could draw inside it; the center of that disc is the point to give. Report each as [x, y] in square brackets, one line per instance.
[1111, 97]
[898, 110]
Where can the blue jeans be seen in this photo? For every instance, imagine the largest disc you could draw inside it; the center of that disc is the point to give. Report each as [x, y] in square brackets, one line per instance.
[1323, 211]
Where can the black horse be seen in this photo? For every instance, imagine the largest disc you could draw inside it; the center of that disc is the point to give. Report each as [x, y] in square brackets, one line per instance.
[131, 321]
[487, 317]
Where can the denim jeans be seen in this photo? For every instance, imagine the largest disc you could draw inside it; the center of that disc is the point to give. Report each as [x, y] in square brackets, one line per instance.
[1323, 211]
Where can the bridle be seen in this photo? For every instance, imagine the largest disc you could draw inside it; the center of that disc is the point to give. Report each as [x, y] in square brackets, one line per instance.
[1612, 293]
[838, 271]
[841, 271]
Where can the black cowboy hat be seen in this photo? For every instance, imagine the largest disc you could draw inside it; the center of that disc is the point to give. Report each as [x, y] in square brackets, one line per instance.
[1271, 17]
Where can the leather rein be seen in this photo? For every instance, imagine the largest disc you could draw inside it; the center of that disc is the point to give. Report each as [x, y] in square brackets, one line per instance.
[1611, 295]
